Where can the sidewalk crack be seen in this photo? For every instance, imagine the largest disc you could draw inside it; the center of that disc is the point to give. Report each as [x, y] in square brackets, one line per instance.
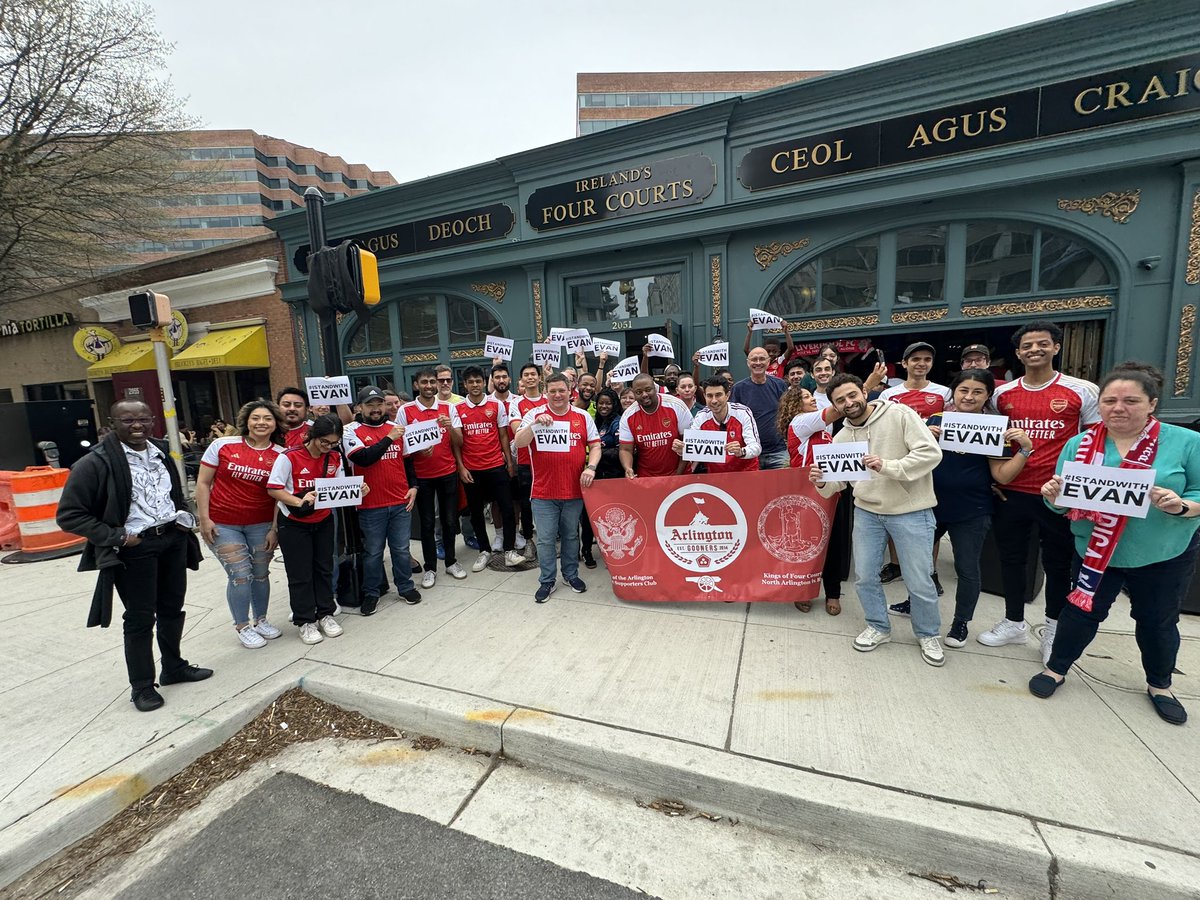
[737, 679]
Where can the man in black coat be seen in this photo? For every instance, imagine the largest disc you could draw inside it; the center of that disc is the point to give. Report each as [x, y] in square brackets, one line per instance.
[125, 497]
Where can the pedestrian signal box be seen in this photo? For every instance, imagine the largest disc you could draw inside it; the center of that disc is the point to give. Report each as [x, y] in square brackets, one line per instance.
[149, 309]
[344, 279]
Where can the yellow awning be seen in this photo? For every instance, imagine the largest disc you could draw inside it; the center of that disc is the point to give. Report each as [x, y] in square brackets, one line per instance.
[230, 348]
[135, 357]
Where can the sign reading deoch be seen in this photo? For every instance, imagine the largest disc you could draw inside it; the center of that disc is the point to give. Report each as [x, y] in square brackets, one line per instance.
[664, 184]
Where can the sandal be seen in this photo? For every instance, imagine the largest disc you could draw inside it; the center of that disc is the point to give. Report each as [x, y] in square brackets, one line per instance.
[833, 606]
[803, 605]
[1168, 708]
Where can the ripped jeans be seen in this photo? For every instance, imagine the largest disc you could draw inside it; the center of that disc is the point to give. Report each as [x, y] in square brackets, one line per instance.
[239, 549]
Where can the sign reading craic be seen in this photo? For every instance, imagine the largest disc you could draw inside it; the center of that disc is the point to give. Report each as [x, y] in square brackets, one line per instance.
[1154, 89]
[665, 184]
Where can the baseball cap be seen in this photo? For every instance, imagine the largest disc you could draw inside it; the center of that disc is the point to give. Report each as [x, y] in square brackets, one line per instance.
[914, 347]
[369, 393]
[976, 348]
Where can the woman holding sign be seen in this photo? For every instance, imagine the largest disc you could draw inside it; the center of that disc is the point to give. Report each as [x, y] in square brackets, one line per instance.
[1151, 551]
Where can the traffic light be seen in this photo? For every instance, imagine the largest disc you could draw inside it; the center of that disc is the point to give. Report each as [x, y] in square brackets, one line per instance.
[344, 278]
[148, 309]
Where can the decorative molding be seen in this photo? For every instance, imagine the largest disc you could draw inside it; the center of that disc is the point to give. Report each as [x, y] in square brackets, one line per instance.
[301, 338]
[766, 254]
[1192, 275]
[537, 309]
[243, 281]
[494, 289]
[1063, 304]
[829, 324]
[473, 353]
[1117, 205]
[920, 315]
[1183, 355]
[714, 264]
[419, 358]
[365, 361]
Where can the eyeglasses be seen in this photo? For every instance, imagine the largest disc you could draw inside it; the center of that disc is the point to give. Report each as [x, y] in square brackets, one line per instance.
[144, 420]
[446, 380]
[327, 443]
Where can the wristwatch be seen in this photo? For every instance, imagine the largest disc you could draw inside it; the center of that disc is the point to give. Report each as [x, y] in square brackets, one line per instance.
[1025, 453]
[590, 466]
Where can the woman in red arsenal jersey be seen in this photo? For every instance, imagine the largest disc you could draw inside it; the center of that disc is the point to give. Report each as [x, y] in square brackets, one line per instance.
[237, 516]
[305, 533]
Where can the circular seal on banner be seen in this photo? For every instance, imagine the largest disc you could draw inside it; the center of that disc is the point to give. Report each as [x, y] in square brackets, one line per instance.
[176, 331]
[700, 528]
[793, 528]
[93, 342]
[621, 532]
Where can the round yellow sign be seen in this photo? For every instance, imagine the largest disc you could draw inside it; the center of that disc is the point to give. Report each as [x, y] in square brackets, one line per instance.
[176, 331]
[94, 342]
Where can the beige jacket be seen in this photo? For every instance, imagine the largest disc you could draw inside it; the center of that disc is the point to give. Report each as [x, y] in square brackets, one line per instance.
[910, 454]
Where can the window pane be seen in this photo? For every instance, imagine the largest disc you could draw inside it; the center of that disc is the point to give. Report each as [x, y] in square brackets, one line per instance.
[373, 334]
[460, 314]
[486, 324]
[999, 259]
[1066, 265]
[797, 295]
[627, 297]
[849, 275]
[920, 264]
[418, 322]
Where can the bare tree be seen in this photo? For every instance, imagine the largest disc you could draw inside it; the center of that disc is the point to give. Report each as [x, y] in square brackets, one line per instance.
[88, 125]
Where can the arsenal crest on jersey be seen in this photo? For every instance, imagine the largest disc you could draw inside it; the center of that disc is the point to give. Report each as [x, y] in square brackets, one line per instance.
[930, 399]
[1058, 405]
[489, 412]
[666, 422]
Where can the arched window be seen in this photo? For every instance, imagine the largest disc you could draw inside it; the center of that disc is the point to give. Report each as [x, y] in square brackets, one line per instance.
[373, 335]
[845, 277]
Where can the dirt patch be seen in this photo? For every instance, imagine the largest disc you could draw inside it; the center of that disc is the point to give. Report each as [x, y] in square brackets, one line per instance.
[294, 718]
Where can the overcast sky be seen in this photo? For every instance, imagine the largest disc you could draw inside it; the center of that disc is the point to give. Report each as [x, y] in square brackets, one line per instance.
[419, 89]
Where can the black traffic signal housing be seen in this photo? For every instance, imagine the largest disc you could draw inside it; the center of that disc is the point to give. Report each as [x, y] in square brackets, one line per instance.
[148, 309]
[344, 279]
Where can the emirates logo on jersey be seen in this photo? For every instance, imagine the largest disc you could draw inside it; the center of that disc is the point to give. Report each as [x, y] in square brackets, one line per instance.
[1058, 405]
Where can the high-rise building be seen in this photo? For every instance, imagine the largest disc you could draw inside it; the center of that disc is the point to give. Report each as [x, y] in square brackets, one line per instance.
[244, 179]
[608, 99]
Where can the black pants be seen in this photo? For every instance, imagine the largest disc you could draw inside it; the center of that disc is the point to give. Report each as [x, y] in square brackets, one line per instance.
[151, 583]
[307, 549]
[522, 488]
[443, 491]
[491, 485]
[1014, 518]
[837, 556]
[1155, 594]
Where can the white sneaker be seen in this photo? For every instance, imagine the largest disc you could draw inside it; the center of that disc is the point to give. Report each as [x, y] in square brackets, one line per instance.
[514, 558]
[520, 542]
[330, 626]
[498, 543]
[428, 579]
[871, 638]
[310, 634]
[481, 561]
[931, 651]
[267, 630]
[456, 571]
[1048, 639]
[1004, 632]
[250, 638]
[337, 608]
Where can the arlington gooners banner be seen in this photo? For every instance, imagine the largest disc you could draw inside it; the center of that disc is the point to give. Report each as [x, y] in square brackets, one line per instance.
[742, 536]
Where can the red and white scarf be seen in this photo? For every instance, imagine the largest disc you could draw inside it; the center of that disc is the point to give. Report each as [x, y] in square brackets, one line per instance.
[1108, 527]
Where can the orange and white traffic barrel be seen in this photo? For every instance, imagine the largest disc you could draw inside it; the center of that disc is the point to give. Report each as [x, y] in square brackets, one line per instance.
[10, 534]
[36, 493]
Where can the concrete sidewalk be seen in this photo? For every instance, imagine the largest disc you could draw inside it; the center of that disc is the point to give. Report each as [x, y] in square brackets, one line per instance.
[756, 711]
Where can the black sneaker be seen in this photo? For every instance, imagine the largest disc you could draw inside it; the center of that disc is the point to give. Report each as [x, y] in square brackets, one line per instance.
[544, 591]
[146, 699]
[576, 584]
[185, 674]
[901, 609]
[957, 635]
[889, 573]
[368, 606]
[937, 584]
[588, 559]
[412, 596]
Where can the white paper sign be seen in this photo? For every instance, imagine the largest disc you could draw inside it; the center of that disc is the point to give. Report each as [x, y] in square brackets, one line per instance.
[761, 320]
[968, 433]
[578, 339]
[715, 355]
[1107, 489]
[611, 348]
[558, 336]
[627, 369]
[328, 391]
[703, 446]
[333, 492]
[421, 436]
[553, 438]
[660, 346]
[546, 353]
[842, 462]
[501, 347]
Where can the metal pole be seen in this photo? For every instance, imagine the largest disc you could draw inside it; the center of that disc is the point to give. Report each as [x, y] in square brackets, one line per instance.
[162, 365]
[331, 357]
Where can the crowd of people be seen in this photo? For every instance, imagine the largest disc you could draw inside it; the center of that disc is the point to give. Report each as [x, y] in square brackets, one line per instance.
[520, 454]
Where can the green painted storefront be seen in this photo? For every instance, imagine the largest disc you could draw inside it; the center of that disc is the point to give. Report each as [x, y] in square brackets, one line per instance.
[1050, 171]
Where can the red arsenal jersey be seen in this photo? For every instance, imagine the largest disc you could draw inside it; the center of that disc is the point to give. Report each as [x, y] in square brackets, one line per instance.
[1051, 414]
[295, 471]
[481, 433]
[295, 437]
[651, 434]
[516, 413]
[386, 478]
[933, 398]
[556, 475]
[739, 425]
[439, 460]
[239, 487]
[807, 430]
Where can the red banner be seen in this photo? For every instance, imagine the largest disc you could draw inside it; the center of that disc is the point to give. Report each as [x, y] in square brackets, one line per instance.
[742, 536]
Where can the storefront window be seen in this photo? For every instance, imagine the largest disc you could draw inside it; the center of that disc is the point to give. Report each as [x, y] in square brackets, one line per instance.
[627, 297]
[469, 322]
[999, 259]
[921, 264]
[848, 275]
[797, 295]
[372, 335]
[1067, 265]
[418, 322]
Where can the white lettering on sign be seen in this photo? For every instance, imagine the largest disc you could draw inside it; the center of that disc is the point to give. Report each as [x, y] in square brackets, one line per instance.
[660, 346]
[331, 492]
[609, 348]
[761, 319]
[969, 433]
[842, 462]
[498, 347]
[421, 436]
[703, 446]
[714, 355]
[627, 369]
[1106, 489]
[546, 353]
[553, 438]
[328, 391]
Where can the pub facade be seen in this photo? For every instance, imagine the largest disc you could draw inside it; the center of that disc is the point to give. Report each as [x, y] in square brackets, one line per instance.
[1051, 171]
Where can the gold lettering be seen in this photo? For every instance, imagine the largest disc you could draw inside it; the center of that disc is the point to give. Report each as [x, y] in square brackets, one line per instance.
[610, 202]
[800, 158]
[966, 124]
[659, 194]
[589, 207]
[1098, 91]
[687, 188]
[940, 136]
[838, 152]
[485, 222]
[919, 136]
[1155, 87]
[646, 172]
[998, 119]
[821, 154]
[1116, 95]
[775, 159]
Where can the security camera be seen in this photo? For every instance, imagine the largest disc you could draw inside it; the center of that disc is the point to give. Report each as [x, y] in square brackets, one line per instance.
[1149, 263]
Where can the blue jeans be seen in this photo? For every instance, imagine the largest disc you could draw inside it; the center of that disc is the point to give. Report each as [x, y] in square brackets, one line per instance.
[557, 519]
[966, 538]
[391, 525]
[912, 535]
[239, 550]
[774, 459]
